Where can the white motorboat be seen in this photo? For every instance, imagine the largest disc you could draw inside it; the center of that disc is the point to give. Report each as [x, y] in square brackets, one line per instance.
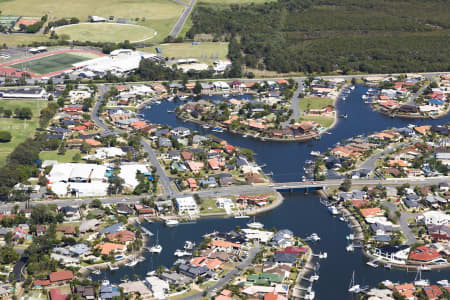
[112, 268]
[151, 273]
[350, 248]
[132, 263]
[310, 295]
[205, 126]
[419, 282]
[188, 245]
[255, 225]
[313, 238]
[323, 255]
[388, 266]
[387, 283]
[372, 264]
[342, 219]
[181, 253]
[350, 237]
[444, 283]
[315, 153]
[333, 210]
[314, 277]
[172, 222]
[96, 272]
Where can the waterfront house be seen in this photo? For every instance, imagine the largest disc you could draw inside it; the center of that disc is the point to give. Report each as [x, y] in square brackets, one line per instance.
[425, 255]
[187, 205]
[395, 253]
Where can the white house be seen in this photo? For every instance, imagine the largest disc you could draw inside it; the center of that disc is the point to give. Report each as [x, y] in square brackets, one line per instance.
[157, 286]
[435, 218]
[188, 205]
[224, 202]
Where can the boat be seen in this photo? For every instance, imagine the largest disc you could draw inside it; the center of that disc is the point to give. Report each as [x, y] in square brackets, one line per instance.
[112, 268]
[170, 111]
[205, 126]
[419, 282]
[241, 217]
[350, 248]
[172, 222]
[352, 87]
[310, 295]
[443, 282]
[95, 271]
[181, 253]
[388, 266]
[132, 263]
[355, 288]
[244, 136]
[255, 225]
[157, 102]
[151, 273]
[350, 237]
[387, 283]
[333, 210]
[218, 129]
[157, 248]
[188, 245]
[323, 255]
[314, 277]
[344, 116]
[342, 219]
[364, 97]
[313, 238]
[315, 153]
[372, 264]
[183, 97]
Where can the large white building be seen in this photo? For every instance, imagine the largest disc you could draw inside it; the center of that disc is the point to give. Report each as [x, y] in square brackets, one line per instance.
[118, 62]
[74, 172]
[435, 218]
[24, 93]
[158, 286]
[187, 205]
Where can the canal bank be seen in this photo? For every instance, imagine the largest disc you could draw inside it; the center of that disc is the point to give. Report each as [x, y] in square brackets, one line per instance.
[302, 213]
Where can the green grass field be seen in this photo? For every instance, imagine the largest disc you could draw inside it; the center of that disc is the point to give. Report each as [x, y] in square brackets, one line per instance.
[34, 105]
[159, 15]
[106, 32]
[53, 155]
[314, 103]
[19, 129]
[53, 63]
[322, 120]
[205, 52]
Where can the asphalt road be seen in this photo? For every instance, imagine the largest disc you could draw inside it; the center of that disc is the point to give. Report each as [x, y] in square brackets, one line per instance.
[182, 20]
[370, 163]
[294, 102]
[229, 276]
[407, 232]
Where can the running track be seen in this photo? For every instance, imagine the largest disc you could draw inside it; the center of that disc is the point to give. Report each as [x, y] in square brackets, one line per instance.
[5, 70]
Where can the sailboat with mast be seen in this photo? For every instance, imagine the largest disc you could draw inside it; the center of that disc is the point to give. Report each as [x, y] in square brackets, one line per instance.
[255, 225]
[418, 281]
[354, 287]
[156, 248]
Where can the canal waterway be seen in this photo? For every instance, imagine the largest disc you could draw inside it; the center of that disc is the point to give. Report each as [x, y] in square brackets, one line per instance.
[302, 213]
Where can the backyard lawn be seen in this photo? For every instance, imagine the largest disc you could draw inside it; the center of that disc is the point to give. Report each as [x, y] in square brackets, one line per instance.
[53, 155]
[322, 120]
[314, 103]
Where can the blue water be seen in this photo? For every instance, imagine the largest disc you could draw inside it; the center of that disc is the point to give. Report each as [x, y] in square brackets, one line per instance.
[301, 213]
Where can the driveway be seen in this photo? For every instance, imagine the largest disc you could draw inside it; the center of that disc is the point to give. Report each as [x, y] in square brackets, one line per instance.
[407, 232]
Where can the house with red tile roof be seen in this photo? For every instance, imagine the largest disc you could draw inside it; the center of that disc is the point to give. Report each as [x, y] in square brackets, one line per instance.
[107, 248]
[60, 276]
[191, 183]
[123, 236]
[274, 296]
[214, 163]
[423, 255]
[371, 212]
[92, 142]
[195, 166]
[433, 292]
[55, 294]
[407, 290]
